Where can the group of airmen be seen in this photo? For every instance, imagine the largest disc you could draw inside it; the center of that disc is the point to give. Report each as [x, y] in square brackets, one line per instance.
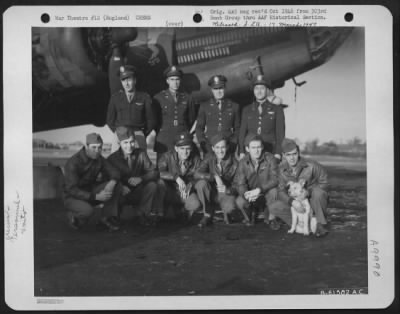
[242, 162]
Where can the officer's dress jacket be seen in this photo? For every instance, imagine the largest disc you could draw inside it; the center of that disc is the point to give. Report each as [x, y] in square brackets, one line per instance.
[270, 125]
[172, 117]
[138, 113]
[212, 121]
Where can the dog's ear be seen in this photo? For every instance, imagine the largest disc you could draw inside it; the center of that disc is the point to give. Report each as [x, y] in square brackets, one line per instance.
[289, 184]
[302, 182]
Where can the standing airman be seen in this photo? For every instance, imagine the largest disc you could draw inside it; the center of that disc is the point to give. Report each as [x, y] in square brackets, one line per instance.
[263, 118]
[175, 111]
[130, 108]
[218, 115]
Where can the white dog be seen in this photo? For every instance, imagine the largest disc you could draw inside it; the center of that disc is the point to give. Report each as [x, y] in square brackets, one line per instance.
[301, 216]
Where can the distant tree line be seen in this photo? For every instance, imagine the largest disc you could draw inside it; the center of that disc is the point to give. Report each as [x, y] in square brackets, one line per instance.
[354, 147]
[39, 144]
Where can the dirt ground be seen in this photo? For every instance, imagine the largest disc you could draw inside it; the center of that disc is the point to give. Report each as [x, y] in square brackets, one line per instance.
[180, 259]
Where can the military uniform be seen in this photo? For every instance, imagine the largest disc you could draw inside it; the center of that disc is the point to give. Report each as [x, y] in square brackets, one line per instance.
[174, 116]
[316, 180]
[136, 113]
[270, 125]
[206, 188]
[171, 168]
[218, 117]
[147, 194]
[84, 177]
[264, 176]
[264, 119]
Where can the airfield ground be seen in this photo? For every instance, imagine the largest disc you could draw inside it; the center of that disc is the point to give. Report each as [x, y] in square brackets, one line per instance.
[180, 259]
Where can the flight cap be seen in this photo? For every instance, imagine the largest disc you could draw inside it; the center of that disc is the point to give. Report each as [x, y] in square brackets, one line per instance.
[93, 138]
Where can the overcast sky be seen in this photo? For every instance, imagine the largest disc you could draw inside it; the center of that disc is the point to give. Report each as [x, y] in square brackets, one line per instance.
[330, 106]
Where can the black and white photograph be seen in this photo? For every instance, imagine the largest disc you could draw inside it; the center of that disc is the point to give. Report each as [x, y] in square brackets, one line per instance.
[225, 161]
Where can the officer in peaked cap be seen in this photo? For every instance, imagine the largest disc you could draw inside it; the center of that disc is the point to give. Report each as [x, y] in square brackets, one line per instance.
[183, 139]
[126, 71]
[175, 110]
[130, 108]
[217, 81]
[264, 119]
[271, 97]
[218, 115]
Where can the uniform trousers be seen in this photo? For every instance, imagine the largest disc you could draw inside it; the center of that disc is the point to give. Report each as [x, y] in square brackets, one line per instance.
[208, 195]
[173, 198]
[318, 203]
[264, 201]
[148, 196]
[84, 209]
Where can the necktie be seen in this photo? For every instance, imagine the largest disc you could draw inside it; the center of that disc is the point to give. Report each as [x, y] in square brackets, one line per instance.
[256, 164]
[183, 167]
[129, 159]
[219, 105]
[130, 96]
[260, 108]
[175, 97]
[219, 167]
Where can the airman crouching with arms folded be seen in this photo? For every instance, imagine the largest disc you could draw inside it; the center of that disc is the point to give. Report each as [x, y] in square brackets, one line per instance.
[215, 180]
[257, 177]
[91, 180]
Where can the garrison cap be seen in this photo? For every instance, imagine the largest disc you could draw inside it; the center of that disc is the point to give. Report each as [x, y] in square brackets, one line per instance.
[183, 138]
[124, 133]
[252, 137]
[93, 138]
[261, 80]
[217, 138]
[217, 81]
[288, 145]
[126, 71]
[173, 71]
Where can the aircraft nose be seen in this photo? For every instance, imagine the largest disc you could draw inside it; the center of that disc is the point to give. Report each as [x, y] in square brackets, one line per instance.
[324, 41]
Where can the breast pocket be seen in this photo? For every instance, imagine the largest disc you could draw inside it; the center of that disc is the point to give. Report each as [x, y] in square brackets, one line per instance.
[122, 110]
[229, 116]
[271, 115]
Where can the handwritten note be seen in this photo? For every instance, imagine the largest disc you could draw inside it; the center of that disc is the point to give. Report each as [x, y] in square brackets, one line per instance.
[15, 219]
